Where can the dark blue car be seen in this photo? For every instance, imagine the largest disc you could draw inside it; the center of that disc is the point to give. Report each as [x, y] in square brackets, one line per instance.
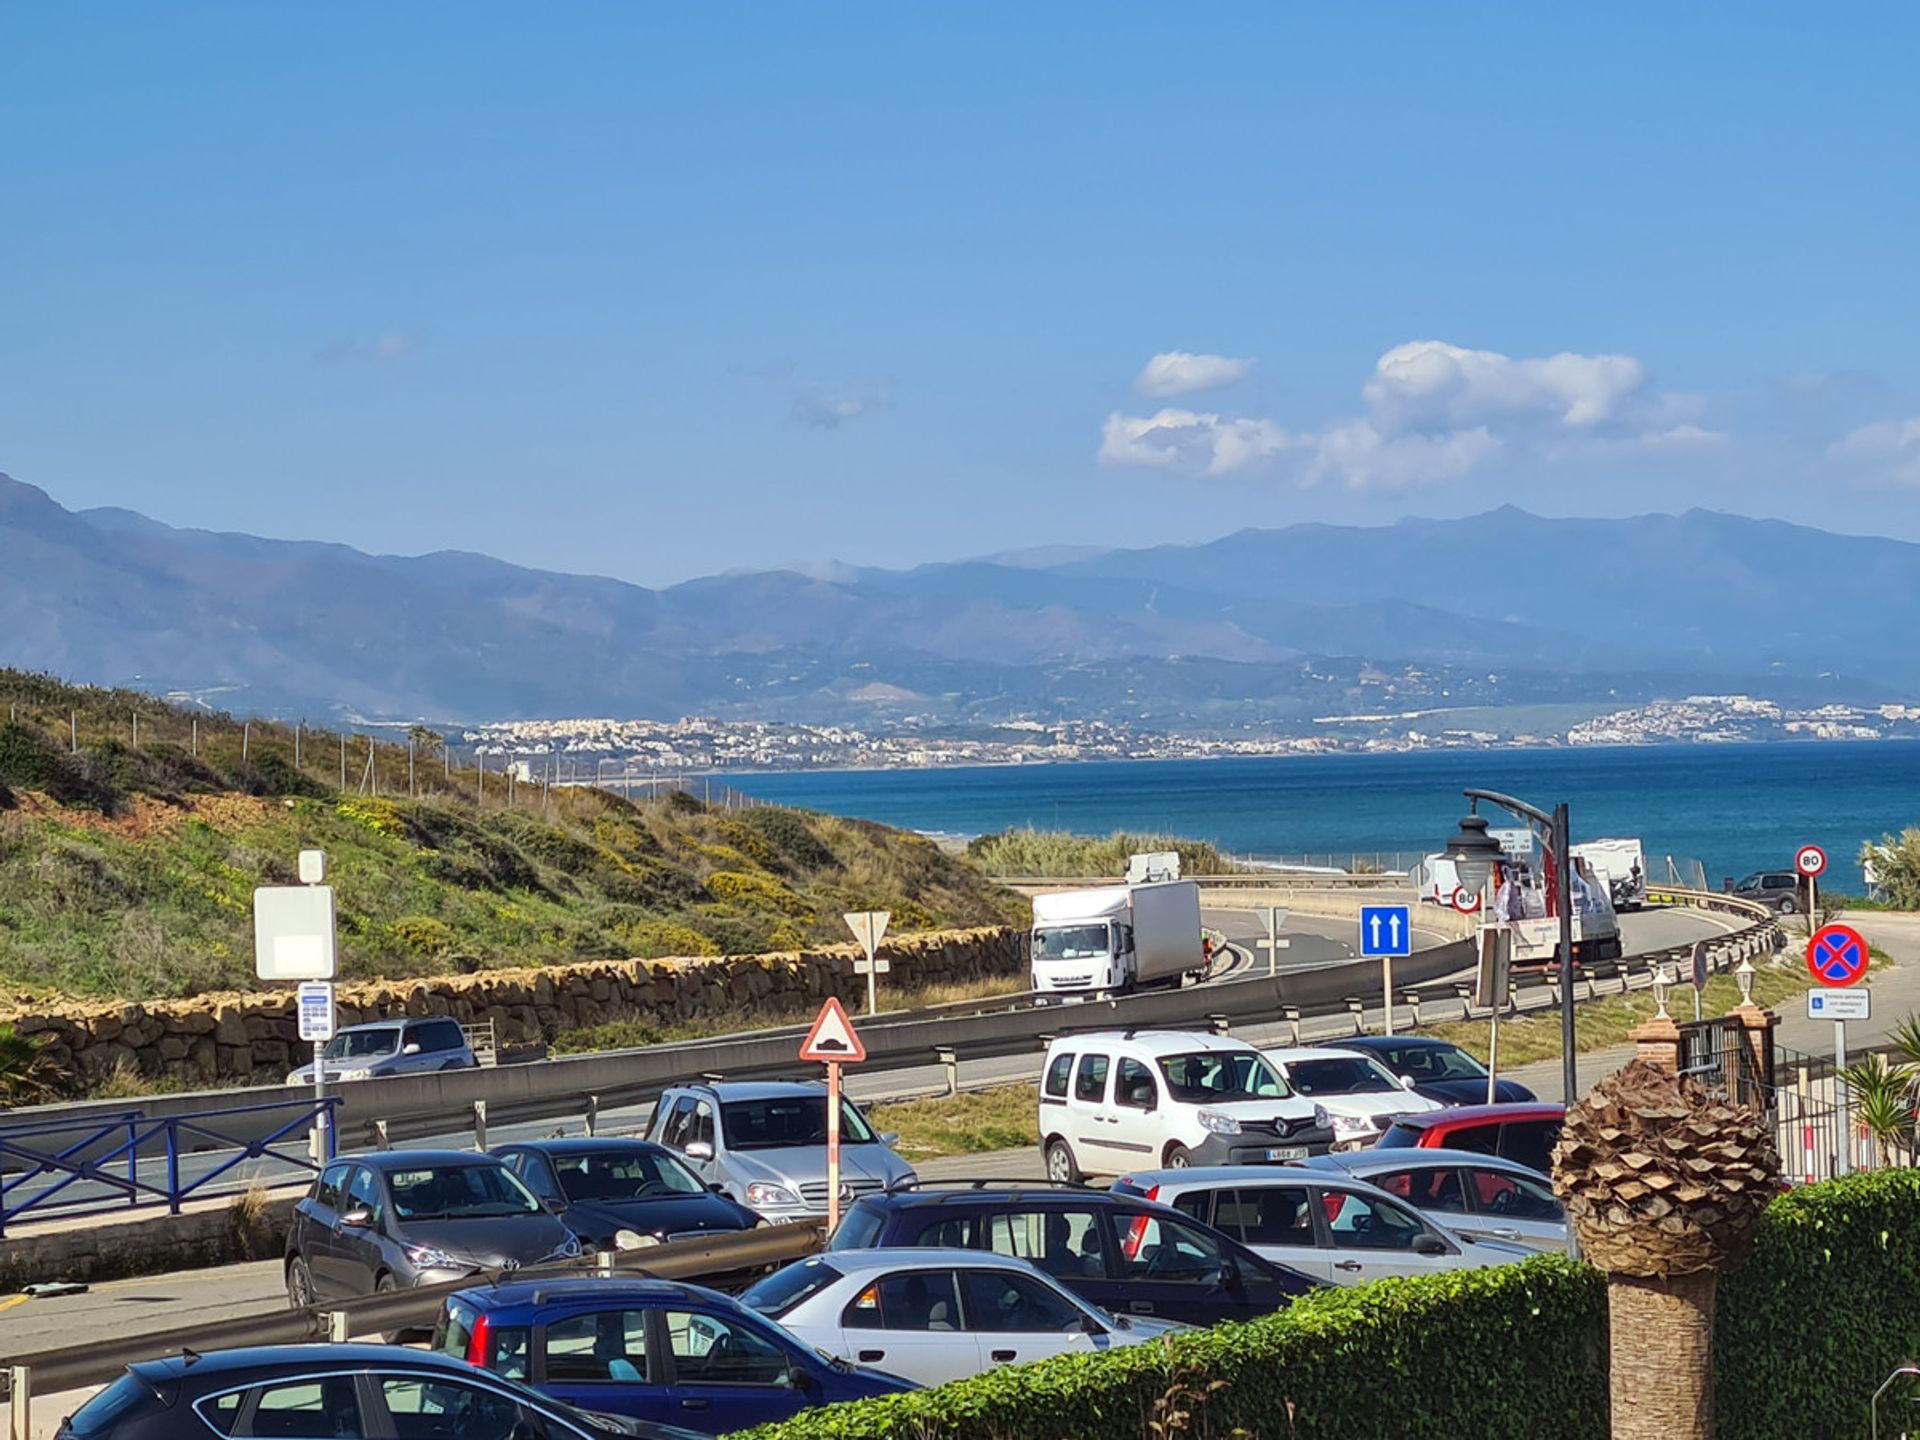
[622, 1194]
[653, 1350]
[1439, 1070]
[1127, 1255]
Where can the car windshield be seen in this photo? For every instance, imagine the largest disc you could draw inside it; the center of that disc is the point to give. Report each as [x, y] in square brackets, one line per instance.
[787, 1121]
[788, 1286]
[359, 1044]
[1216, 1076]
[1071, 942]
[1434, 1062]
[1752, 882]
[1344, 1075]
[623, 1175]
[120, 1398]
[458, 1192]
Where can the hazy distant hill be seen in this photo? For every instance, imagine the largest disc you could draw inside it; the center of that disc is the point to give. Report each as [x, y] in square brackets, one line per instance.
[1500, 608]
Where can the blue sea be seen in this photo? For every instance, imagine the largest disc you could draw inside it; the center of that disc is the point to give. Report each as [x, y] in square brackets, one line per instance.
[1731, 809]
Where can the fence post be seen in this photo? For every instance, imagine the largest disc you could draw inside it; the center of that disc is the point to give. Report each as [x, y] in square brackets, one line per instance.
[19, 1403]
[133, 1161]
[593, 1114]
[173, 1167]
[950, 1062]
[480, 1125]
[337, 1327]
[380, 1141]
[1357, 1008]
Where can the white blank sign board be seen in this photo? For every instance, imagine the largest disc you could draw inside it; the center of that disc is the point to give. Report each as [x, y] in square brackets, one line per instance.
[293, 932]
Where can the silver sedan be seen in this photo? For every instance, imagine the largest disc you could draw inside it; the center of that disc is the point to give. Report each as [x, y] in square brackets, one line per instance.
[1480, 1196]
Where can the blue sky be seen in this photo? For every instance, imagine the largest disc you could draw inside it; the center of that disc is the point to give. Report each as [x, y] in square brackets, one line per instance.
[656, 291]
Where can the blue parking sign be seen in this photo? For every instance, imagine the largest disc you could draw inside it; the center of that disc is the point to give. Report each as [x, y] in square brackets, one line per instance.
[1386, 930]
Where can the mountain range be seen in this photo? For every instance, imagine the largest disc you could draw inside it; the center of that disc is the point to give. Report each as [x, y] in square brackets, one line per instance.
[1259, 627]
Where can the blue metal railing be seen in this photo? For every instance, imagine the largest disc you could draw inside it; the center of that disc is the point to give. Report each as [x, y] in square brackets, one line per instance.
[63, 1165]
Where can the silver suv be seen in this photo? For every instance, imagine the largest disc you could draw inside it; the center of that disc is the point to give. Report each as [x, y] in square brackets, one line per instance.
[765, 1144]
[392, 1047]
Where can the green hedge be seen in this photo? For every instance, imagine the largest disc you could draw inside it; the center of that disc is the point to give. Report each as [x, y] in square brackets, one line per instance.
[1822, 1311]
[1516, 1352]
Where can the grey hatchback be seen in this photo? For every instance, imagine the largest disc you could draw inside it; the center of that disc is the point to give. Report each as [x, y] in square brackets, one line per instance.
[414, 1217]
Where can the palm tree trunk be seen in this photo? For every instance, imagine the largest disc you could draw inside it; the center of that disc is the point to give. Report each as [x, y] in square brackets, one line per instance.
[1661, 1331]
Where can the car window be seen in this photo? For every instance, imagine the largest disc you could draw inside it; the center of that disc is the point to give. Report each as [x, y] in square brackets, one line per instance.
[785, 1121]
[534, 1173]
[1431, 1187]
[1212, 1077]
[605, 1345]
[1500, 1193]
[678, 1128]
[363, 1044]
[623, 1175]
[1063, 1243]
[122, 1397]
[909, 1300]
[715, 1350]
[779, 1292]
[466, 1192]
[1266, 1215]
[1360, 1222]
[295, 1410]
[1001, 1302]
[1133, 1086]
[1153, 1248]
[363, 1193]
[1438, 1062]
[332, 1181]
[422, 1409]
[1196, 1203]
[1058, 1069]
[1347, 1075]
[861, 1227]
[444, 1035]
[701, 1130]
[1090, 1084]
[1529, 1143]
[1481, 1139]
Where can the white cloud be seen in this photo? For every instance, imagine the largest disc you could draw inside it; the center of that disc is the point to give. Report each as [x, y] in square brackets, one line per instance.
[1427, 381]
[1359, 455]
[1179, 372]
[1683, 437]
[1183, 440]
[1890, 446]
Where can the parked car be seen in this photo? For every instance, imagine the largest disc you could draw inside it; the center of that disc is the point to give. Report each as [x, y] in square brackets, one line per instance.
[938, 1315]
[1118, 1252]
[392, 1047]
[765, 1145]
[1353, 1094]
[1479, 1196]
[1439, 1070]
[653, 1350]
[1782, 891]
[622, 1194]
[1114, 1099]
[402, 1218]
[334, 1392]
[1323, 1223]
[1524, 1133]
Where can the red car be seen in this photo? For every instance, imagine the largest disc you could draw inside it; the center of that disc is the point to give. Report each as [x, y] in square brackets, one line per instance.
[1523, 1133]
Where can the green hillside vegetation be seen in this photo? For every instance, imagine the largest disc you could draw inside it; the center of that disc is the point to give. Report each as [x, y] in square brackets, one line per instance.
[1058, 853]
[129, 871]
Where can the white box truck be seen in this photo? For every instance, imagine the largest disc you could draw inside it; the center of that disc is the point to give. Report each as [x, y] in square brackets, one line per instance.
[1622, 868]
[1116, 938]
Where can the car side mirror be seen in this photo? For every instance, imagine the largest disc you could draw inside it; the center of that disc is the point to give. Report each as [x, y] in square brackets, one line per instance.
[890, 1138]
[555, 1205]
[1406, 1082]
[358, 1218]
[699, 1150]
[1143, 1096]
[412, 1047]
[718, 1187]
[796, 1378]
[1429, 1245]
[1091, 1326]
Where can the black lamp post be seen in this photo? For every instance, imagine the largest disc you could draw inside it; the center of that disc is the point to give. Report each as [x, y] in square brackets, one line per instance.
[1473, 852]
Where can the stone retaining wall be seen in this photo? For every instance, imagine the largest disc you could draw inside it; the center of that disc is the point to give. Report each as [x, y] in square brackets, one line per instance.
[253, 1037]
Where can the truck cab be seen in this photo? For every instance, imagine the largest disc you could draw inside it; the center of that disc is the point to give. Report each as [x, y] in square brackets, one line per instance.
[1113, 939]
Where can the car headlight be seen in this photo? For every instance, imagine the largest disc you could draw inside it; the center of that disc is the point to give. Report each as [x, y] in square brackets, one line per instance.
[1215, 1123]
[425, 1257]
[1341, 1124]
[633, 1240]
[762, 1195]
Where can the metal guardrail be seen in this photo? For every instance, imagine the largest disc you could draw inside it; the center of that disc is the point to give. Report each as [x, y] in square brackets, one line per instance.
[94, 1154]
[401, 1108]
[1255, 879]
[97, 1362]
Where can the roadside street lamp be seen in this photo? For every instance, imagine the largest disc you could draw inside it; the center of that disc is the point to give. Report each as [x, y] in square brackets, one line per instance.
[1473, 852]
[1743, 977]
[1662, 983]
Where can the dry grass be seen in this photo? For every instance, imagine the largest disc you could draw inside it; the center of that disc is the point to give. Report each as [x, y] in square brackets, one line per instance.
[967, 1124]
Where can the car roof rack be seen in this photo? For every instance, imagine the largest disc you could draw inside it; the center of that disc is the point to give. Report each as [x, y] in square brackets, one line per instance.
[987, 1182]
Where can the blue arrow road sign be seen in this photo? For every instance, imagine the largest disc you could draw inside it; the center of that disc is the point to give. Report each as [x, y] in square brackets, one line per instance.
[1386, 930]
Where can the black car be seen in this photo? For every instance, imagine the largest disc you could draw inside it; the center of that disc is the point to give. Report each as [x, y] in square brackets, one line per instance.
[622, 1194]
[1096, 1243]
[1439, 1070]
[342, 1392]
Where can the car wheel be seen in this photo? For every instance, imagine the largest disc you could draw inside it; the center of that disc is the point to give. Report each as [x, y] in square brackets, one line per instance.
[1179, 1157]
[1061, 1165]
[386, 1285]
[299, 1284]
[1787, 907]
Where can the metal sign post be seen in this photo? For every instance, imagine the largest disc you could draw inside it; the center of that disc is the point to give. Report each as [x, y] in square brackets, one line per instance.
[1275, 943]
[1490, 986]
[1837, 957]
[868, 927]
[1386, 931]
[832, 1043]
[1811, 861]
[314, 1007]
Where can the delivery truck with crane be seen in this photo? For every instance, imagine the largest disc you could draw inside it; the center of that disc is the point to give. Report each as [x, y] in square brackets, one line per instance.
[1114, 939]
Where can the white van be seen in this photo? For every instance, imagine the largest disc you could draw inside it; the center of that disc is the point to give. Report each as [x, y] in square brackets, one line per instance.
[1118, 1100]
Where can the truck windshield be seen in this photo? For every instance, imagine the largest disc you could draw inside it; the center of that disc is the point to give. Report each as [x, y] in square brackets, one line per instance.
[1071, 942]
[1217, 1076]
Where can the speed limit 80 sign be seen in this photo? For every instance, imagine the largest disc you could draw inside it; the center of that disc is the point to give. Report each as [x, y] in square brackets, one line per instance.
[1810, 860]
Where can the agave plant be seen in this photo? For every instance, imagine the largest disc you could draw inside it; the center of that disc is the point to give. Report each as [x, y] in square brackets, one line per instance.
[1882, 1101]
[1664, 1182]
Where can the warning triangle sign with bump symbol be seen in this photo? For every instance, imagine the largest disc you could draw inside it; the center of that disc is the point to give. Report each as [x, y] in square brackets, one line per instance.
[831, 1041]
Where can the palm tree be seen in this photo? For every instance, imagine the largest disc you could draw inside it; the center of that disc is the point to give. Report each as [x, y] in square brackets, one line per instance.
[1664, 1182]
[1882, 1101]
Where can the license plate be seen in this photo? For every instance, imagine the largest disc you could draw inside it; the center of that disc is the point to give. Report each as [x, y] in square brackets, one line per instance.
[1288, 1152]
